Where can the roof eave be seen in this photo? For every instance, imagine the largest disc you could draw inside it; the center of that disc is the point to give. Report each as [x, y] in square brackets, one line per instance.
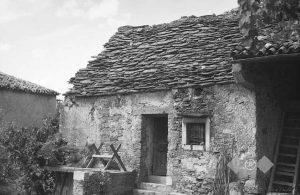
[50, 93]
[292, 56]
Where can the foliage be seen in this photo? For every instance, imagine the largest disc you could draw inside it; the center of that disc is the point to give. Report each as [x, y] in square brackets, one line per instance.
[23, 160]
[97, 183]
[249, 12]
[28, 149]
[49, 154]
[56, 151]
[279, 10]
[255, 13]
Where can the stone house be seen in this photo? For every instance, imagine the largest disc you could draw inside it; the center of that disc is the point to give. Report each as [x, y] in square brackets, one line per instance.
[24, 103]
[167, 94]
[174, 98]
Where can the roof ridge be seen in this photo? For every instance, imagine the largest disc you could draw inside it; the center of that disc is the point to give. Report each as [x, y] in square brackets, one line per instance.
[232, 13]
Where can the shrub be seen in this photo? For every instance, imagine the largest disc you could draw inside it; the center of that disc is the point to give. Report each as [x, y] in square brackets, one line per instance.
[23, 160]
[97, 183]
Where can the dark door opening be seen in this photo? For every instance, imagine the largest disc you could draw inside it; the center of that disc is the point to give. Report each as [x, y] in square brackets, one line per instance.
[160, 145]
[154, 141]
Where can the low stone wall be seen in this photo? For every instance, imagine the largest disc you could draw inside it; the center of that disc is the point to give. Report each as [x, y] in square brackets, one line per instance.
[82, 181]
[122, 183]
[112, 182]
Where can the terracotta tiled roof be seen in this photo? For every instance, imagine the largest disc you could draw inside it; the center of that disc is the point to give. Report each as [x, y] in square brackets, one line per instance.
[272, 40]
[13, 83]
[268, 49]
[189, 52]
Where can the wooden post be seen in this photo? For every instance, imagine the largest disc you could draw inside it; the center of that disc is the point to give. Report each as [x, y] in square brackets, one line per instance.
[112, 158]
[96, 151]
[118, 159]
[296, 170]
[278, 140]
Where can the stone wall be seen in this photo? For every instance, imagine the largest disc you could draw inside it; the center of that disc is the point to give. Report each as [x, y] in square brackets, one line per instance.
[25, 109]
[113, 119]
[118, 119]
[232, 114]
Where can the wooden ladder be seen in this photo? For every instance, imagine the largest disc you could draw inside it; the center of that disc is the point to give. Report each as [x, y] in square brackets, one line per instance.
[284, 175]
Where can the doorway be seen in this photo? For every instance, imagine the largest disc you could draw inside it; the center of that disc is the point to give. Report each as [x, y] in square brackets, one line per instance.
[155, 143]
[160, 146]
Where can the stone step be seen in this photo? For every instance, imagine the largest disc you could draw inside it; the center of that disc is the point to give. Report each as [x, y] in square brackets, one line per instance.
[147, 192]
[150, 192]
[155, 187]
[166, 180]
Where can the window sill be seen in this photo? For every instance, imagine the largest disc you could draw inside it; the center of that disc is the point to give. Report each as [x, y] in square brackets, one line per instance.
[193, 147]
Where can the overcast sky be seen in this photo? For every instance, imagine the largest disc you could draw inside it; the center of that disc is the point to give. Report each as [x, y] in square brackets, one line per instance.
[47, 41]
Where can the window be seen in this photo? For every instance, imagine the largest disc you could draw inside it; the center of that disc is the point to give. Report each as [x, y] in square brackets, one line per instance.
[195, 133]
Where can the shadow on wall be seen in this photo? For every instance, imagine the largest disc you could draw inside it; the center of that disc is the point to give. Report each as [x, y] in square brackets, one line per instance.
[275, 85]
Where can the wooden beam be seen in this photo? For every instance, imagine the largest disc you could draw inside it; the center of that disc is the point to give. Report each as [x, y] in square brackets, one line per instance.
[295, 190]
[71, 169]
[195, 115]
[268, 58]
[97, 152]
[119, 161]
[114, 155]
[275, 154]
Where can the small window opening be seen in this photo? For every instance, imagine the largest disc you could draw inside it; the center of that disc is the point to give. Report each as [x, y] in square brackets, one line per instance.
[195, 133]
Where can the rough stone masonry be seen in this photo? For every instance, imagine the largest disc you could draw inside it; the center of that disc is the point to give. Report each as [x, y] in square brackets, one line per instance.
[182, 70]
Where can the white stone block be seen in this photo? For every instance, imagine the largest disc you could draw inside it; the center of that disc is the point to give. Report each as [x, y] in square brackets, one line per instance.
[78, 175]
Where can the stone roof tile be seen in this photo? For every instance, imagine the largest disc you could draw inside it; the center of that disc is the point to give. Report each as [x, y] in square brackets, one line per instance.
[191, 51]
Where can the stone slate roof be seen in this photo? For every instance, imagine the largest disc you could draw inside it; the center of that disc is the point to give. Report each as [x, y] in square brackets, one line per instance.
[271, 41]
[189, 52]
[13, 83]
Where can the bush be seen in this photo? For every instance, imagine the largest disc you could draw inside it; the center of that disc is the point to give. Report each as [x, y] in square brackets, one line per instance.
[22, 164]
[97, 183]
[28, 149]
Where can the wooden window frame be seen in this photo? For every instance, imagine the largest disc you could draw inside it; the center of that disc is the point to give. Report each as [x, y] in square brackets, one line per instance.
[205, 121]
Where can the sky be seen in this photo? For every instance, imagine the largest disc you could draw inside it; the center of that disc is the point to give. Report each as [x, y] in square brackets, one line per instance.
[48, 41]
